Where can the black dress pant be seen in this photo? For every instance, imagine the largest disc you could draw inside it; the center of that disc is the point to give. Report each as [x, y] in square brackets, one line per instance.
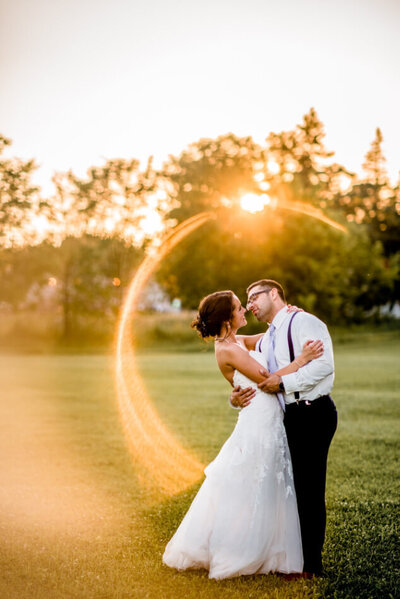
[309, 430]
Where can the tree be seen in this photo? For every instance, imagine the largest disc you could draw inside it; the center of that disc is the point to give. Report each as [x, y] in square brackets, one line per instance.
[372, 201]
[374, 164]
[91, 273]
[100, 216]
[212, 173]
[338, 277]
[109, 204]
[237, 248]
[298, 165]
[33, 278]
[113, 200]
[22, 267]
[20, 202]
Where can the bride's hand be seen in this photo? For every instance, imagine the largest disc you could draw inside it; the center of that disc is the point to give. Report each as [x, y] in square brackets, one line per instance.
[311, 351]
[292, 309]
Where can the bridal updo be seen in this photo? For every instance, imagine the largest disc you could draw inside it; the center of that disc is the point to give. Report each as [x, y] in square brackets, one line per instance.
[214, 310]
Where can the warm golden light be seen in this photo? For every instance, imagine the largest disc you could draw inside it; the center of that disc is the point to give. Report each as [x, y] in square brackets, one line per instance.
[273, 167]
[310, 210]
[252, 202]
[259, 177]
[344, 182]
[152, 223]
[40, 224]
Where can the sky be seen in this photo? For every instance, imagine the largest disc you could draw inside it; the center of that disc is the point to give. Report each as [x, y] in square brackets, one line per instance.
[86, 80]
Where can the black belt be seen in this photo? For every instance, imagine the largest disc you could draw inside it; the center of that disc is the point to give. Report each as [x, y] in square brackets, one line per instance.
[305, 403]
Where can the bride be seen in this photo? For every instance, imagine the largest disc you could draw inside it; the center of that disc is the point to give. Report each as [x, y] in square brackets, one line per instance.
[244, 518]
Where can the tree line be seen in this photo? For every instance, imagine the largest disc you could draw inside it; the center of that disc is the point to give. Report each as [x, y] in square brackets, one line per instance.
[75, 251]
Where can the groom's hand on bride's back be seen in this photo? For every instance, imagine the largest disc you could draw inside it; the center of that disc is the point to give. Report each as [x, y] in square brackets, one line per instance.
[240, 398]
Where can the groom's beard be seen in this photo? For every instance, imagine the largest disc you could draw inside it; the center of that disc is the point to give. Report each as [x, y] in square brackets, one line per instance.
[261, 317]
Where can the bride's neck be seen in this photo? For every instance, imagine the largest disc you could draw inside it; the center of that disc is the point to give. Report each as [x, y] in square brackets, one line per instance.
[228, 336]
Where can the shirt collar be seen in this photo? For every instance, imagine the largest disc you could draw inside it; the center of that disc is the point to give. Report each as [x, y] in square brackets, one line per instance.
[280, 317]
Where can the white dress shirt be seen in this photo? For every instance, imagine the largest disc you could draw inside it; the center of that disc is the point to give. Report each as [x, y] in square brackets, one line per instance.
[316, 378]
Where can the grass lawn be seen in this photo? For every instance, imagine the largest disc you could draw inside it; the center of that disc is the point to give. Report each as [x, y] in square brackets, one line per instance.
[75, 523]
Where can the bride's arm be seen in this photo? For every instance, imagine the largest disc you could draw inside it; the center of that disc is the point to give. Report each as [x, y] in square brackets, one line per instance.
[235, 358]
[250, 341]
[311, 350]
[232, 357]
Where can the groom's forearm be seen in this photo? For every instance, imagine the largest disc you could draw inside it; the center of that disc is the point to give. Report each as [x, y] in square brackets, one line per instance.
[240, 398]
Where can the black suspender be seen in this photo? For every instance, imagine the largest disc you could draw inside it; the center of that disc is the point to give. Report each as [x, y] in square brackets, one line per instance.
[291, 350]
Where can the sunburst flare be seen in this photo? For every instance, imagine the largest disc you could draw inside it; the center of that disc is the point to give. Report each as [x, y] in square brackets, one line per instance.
[161, 461]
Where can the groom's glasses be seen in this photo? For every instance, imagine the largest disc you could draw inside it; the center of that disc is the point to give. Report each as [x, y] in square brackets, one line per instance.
[253, 296]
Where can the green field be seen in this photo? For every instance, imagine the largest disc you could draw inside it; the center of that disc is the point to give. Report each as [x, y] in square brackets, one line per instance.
[76, 524]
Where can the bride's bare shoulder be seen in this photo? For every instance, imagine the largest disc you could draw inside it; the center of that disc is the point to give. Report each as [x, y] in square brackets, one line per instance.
[226, 352]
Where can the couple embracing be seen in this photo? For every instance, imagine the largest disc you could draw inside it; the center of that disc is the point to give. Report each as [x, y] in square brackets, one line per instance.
[261, 507]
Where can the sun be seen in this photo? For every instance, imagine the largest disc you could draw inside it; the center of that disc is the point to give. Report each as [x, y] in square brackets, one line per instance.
[252, 202]
[152, 222]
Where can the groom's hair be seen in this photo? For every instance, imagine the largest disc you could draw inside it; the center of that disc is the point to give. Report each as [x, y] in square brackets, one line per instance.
[270, 284]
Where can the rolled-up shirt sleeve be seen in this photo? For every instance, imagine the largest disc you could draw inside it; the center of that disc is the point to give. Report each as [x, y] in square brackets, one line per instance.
[308, 327]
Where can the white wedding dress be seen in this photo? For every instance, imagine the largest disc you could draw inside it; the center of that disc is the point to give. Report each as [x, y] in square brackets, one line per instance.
[244, 518]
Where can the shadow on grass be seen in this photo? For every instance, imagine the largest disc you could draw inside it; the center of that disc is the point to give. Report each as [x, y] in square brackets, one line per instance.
[165, 519]
[361, 557]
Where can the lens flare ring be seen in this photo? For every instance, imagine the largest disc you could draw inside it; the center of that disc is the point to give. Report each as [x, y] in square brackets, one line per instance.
[162, 463]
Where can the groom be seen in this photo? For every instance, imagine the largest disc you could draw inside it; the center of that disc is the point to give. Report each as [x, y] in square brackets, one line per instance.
[310, 414]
